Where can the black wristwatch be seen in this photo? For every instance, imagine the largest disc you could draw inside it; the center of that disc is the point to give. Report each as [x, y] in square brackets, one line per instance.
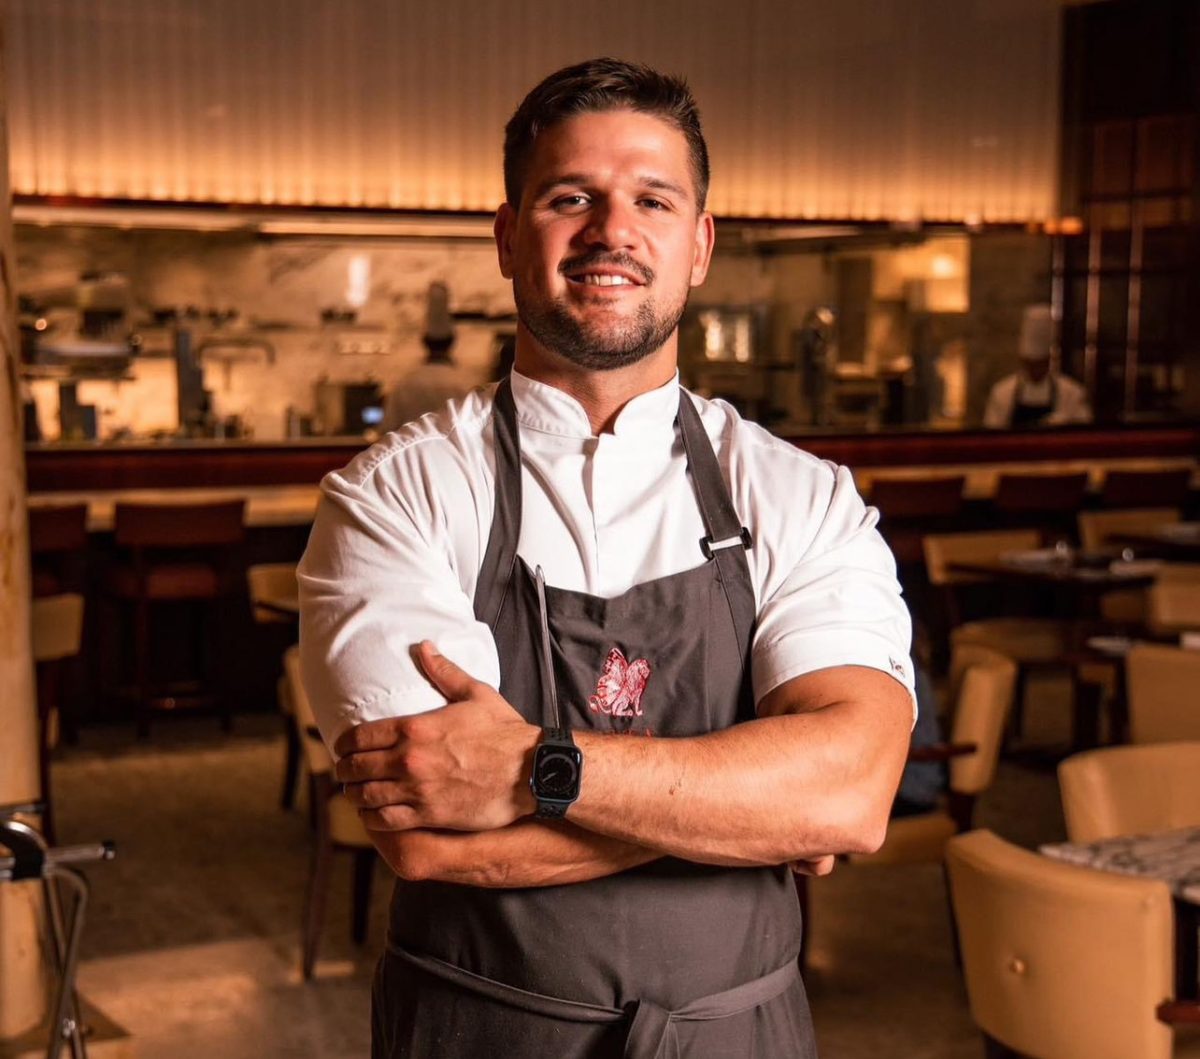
[557, 773]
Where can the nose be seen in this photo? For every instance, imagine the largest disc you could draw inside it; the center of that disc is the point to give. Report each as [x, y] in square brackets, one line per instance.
[611, 225]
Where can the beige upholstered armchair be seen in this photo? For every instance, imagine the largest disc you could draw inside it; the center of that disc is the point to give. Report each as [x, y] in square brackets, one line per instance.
[1065, 962]
[1130, 790]
[982, 683]
[1162, 686]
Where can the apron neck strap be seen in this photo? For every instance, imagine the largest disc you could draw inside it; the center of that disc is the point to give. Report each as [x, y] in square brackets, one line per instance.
[725, 542]
[496, 571]
[725, 529]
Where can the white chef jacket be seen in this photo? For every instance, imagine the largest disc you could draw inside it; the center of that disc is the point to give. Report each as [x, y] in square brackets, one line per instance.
[1070, 400]
[401, 532]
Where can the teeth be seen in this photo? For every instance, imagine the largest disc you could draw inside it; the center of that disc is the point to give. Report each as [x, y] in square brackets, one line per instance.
[606, 281]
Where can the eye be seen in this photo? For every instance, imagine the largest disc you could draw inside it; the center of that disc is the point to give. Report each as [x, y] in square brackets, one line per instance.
[653, 203]
[575, 200]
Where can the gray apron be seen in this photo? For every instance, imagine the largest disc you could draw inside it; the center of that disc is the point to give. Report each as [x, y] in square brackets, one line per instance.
[666, 960]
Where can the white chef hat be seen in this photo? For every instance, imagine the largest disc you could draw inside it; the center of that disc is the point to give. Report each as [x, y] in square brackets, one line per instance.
[1037, 333]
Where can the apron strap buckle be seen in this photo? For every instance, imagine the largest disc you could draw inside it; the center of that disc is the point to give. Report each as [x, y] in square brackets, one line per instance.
[708, 547]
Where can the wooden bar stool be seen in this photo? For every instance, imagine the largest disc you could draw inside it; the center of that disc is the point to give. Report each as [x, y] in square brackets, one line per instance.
[179, 554]
[58, 560]
[57, 631]
[57, 548]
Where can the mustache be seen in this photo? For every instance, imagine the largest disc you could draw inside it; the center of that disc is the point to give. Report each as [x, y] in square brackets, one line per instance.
[601, 257]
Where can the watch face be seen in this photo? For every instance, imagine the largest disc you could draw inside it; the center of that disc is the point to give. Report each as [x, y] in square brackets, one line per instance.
[556, 772]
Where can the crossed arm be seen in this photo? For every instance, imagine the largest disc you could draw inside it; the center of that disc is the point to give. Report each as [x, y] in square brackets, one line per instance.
[445, 794]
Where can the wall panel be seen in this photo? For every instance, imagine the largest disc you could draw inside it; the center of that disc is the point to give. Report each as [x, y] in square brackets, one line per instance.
[864, 109]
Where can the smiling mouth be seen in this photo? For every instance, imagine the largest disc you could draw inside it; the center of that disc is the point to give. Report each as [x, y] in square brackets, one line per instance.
[603, 279]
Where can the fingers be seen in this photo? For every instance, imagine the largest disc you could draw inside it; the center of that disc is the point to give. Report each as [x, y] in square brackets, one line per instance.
[814, 866]
[370, 735]
[391, 818]
[370, 765]
[454, 683]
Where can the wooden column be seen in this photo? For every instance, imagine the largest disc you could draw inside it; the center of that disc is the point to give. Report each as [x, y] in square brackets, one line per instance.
[22, 979]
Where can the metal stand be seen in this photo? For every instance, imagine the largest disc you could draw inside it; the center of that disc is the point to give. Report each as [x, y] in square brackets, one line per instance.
[32, 858]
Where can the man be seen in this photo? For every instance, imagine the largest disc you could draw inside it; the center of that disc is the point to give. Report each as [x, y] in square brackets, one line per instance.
[671, 658]
[1036, 396]
[435, 381]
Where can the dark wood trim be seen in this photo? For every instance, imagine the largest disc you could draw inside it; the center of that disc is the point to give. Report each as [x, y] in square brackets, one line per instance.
[72, 468]
[50, 468]
[979, 446]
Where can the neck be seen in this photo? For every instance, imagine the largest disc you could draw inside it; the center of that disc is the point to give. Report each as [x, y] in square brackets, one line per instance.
[601, 393]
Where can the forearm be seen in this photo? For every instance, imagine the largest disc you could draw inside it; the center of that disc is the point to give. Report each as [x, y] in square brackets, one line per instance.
[771, 790]
[527, 853]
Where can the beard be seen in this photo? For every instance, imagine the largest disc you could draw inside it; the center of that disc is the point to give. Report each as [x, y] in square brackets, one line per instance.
[603, 346]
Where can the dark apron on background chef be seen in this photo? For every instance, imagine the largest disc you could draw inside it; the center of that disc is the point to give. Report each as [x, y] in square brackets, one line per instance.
[670, 959]
[1033, 413]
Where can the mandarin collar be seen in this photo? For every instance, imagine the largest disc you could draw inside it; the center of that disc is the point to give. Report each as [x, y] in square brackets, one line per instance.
[550, 410]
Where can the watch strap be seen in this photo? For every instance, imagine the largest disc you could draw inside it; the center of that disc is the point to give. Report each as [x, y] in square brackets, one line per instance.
[557, 735]
[553, 808]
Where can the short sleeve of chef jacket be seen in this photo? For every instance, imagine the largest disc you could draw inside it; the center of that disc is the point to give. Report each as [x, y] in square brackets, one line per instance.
[828, 592]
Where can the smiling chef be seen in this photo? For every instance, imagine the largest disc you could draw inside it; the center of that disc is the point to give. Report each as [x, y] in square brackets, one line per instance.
[601, 662]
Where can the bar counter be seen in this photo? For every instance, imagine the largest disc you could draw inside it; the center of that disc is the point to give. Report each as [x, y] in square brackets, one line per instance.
[980, 455]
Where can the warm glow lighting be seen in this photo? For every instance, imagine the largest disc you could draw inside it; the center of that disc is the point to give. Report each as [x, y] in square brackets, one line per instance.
[943, 266]
[289, 224]
[358, 280]
[890, 111]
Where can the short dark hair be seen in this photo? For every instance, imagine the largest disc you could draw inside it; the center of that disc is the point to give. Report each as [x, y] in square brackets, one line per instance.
[596, 86]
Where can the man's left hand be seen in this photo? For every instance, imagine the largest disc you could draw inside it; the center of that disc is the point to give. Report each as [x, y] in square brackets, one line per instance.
[463, 767]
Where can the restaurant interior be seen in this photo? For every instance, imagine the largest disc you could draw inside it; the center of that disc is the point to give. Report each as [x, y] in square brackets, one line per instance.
[238, 228]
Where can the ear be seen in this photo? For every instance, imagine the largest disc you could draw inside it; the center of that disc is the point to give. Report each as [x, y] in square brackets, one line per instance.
[504, 229]
[706, 236]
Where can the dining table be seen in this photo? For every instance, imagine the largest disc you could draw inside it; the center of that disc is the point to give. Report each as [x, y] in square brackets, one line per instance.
[1170, 856]
[1074, 581]
[1179, 541]
[1068, 571]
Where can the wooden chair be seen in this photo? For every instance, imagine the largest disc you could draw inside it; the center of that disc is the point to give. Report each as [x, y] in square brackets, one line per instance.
[1162, 687]
[1173, 601]
[909, 508]
[1096, 528]
[1030, 642]
[1130, 790]
[1045, 501]
[57, 632]
[338, 827]
[270, 583]
[177, 553]
[982, 682]
[1165, 488]
[1064, 962]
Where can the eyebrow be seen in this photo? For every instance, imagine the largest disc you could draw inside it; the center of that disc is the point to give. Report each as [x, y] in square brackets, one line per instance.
[571, 179]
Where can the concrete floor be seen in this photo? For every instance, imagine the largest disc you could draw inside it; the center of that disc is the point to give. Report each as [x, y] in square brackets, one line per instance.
[192, 938]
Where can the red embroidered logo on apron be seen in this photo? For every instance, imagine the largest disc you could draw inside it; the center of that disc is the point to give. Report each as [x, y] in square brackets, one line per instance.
[619, 689]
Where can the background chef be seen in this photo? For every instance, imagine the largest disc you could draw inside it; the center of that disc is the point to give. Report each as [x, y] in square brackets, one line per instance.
[1035, 395]
[694, 628]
